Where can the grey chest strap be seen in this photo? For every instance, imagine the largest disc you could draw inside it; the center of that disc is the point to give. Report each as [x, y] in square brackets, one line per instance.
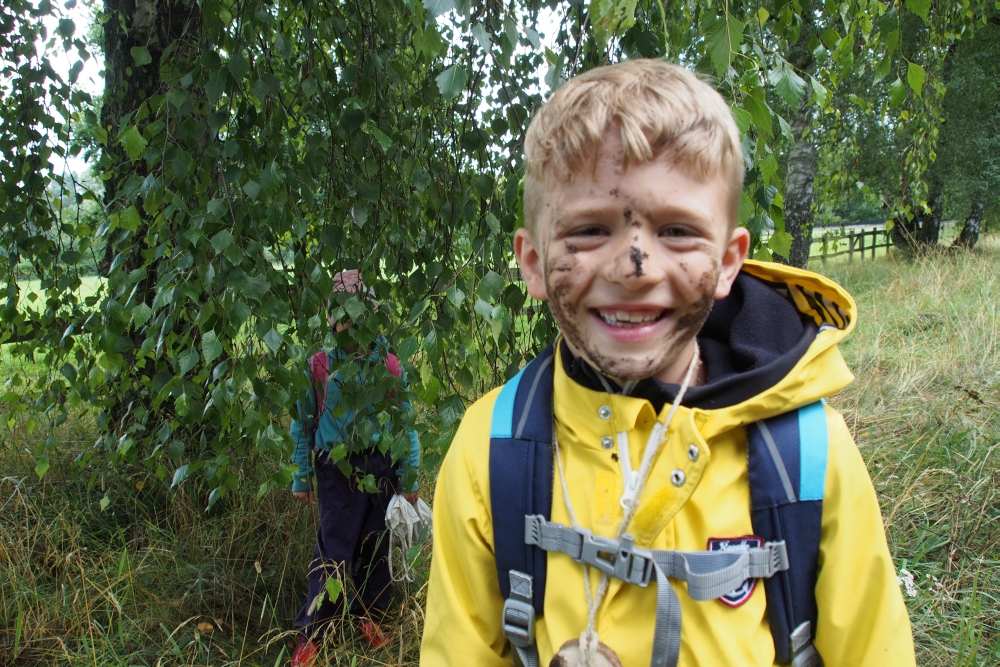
[708, 574]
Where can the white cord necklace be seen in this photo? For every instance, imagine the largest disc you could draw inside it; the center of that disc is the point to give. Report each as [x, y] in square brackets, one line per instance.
[629, 501]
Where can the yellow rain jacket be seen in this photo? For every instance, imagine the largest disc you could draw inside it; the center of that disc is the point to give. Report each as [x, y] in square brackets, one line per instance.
[862, 620]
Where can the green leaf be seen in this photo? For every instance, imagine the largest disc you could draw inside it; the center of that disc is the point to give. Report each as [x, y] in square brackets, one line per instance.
[187, 360]
[66, 28]
[788, 85]
[214, 89]
[211, 347]
[494, 284]
[333, 587]
[452, 81]
[252, 189]
[723, 36]
[133, 142]
[482, 37]
[129, 219]
[883, 68]
[919, 7]
[438, 7]
[610, 18]
[42, 466]
[428, 42]
[355, 308]
[222, 240]
[420, 179]
[369, 128]
[915, 77]
[105, 502]
[141, 314]
[743, 119]
[780, 243]
[408, 348]
[180, 475]
[140, 54]
[760, 112]
[273, 340]
[820, 93]
[238, 66]
[897, 93]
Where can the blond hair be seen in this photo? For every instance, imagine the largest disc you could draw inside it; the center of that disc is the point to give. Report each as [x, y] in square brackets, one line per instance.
[660, 110]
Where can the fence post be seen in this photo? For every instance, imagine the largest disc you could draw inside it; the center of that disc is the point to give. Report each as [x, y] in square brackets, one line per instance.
[862, 245]
[850, 247]
[874, 242]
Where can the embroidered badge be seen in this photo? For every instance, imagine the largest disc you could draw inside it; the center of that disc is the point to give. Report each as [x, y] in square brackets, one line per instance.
[743, 593]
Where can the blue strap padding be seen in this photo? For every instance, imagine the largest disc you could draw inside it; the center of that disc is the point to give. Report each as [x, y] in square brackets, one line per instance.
[501, 426]
[802, 441]
[766, 486]
[814, 441]
[521, 472]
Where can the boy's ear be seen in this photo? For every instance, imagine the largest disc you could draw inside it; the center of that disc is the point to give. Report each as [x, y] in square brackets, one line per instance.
[732, 261]
[529, 256]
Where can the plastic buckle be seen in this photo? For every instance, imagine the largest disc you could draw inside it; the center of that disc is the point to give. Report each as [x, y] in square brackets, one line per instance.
[618, 559]
[778, 556]
[518, 622]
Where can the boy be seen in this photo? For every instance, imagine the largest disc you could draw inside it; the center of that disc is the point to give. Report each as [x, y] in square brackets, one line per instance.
[351, 520]
[672, 348]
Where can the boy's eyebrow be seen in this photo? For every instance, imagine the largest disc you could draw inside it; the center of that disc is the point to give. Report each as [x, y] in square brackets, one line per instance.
[573, 214]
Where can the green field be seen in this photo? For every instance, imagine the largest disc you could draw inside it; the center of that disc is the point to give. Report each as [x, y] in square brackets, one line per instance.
[154, 579]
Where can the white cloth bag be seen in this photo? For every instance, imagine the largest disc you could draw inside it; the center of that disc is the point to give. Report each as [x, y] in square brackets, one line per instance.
[407, 524]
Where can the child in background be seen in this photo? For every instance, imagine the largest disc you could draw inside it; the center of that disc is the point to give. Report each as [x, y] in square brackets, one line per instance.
[351, 534]
[674, 353]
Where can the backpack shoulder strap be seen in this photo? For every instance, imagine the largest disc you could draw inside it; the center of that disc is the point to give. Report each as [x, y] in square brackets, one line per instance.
[521, 474]
[787, 460]
[319, 371]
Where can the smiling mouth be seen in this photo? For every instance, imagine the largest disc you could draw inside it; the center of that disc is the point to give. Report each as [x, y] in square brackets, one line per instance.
[630, 320]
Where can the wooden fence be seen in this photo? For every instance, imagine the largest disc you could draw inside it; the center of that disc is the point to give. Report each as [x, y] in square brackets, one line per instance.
[860, 243]
[863, 242]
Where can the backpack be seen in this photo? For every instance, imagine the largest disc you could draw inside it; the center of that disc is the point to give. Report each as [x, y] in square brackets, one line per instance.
[786, 459]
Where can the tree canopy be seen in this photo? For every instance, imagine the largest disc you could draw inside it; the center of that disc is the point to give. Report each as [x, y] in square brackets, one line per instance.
[250, 149]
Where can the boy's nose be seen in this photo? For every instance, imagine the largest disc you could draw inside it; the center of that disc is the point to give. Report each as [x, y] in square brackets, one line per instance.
[633, 266]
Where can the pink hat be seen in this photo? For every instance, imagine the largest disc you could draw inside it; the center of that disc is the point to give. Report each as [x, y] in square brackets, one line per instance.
[348, 281]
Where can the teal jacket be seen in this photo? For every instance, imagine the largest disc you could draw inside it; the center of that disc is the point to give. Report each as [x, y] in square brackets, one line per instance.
[335, 423]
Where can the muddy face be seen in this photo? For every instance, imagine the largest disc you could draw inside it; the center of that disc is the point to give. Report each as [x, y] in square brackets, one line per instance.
[630, 286]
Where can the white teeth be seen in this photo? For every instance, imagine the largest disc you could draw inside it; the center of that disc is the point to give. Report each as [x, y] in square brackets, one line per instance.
[622, 319]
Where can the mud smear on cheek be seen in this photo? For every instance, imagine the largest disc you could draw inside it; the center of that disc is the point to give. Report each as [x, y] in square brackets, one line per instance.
[637, 257]
[700, 309]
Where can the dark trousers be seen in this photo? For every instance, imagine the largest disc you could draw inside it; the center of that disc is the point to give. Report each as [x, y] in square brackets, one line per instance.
[351, 538]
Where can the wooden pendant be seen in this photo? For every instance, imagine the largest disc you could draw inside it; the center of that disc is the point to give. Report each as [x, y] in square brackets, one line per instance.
[569, 656]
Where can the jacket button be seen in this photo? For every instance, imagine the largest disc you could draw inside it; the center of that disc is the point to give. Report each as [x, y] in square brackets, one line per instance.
[693, 452]
[607, 442]
[604, 412]
[678, 477]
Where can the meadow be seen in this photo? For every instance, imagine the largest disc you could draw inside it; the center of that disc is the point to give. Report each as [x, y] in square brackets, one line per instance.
[151, 578]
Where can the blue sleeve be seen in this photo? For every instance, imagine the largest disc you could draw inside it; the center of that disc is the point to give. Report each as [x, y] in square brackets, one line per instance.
[413, 460]
[302, 435]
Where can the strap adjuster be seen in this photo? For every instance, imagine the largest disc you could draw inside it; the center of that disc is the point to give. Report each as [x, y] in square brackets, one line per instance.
[620, 559]
[518, 618]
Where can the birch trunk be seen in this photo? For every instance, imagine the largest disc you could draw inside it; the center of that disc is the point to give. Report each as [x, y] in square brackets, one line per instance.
[801, 171]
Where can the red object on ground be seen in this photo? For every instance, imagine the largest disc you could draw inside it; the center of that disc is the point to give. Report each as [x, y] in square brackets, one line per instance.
[372, 633]
[305, 653]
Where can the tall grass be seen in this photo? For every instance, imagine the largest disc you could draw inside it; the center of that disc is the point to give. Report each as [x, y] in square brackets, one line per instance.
[152, 578]
[924, 412]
